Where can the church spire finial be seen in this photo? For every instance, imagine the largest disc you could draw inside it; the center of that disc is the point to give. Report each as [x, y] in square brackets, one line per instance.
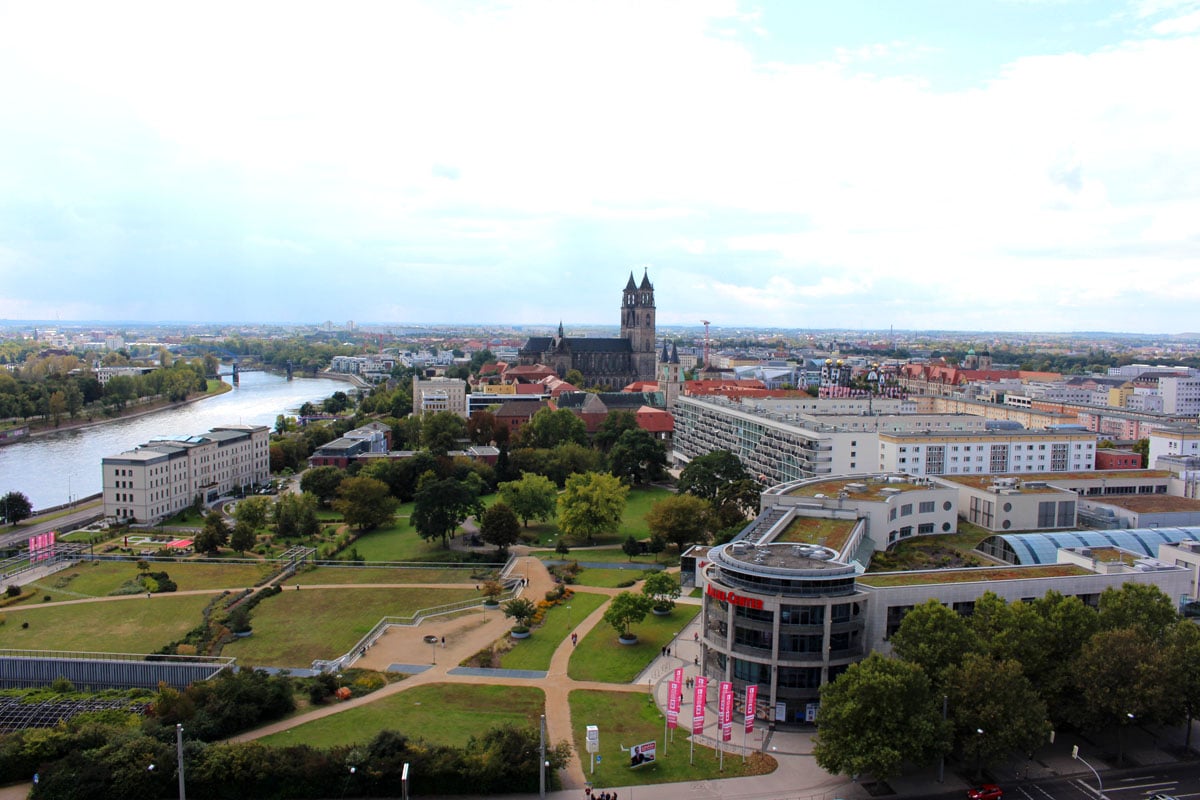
[560, 329]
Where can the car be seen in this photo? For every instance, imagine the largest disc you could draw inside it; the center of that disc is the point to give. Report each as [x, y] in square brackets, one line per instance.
[988, 791]
[1161, 796]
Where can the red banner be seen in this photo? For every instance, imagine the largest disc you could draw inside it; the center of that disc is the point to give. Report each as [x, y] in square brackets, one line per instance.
[699, 697]
[751, 705]
[673, 698]
[725, 710]
[41, 546]
[678, 677]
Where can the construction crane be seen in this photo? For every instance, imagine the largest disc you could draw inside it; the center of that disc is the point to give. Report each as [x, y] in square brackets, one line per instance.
[704, 322]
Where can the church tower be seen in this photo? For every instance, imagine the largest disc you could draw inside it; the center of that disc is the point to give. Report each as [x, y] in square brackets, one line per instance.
[637, 325]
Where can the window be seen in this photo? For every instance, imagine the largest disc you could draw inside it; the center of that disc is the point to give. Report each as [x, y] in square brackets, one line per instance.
[926, 507]
[925, 528]
[906, 510]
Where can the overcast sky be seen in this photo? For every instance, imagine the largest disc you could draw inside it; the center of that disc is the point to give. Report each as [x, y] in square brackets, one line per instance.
[958, 164]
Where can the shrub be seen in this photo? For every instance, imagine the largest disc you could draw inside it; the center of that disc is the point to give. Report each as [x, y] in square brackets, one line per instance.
[13, 590]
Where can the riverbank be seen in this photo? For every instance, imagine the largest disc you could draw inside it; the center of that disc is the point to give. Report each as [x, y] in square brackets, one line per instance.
[138, 411]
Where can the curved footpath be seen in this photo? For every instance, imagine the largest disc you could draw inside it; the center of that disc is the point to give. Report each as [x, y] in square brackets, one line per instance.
[798, 775]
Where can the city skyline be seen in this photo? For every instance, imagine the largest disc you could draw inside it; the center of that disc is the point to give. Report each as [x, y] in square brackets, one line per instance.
[999, 166]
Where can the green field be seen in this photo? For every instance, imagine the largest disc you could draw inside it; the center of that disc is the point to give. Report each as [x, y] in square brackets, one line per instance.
[536, 651]
[398, 542]
[446, 714]
[126, 625]
[607, 578]
[294, 628]
[629, 718]
[600, 657]
[101, 578]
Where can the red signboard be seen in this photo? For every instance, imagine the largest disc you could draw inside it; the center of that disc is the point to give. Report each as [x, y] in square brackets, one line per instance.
[725, 710]
[751, 703]
[673, 698]
[699, 697]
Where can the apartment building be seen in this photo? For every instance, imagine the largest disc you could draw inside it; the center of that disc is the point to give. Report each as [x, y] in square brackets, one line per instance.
[163, 476]
[987, 452]
[439, 394]
[1180, 395]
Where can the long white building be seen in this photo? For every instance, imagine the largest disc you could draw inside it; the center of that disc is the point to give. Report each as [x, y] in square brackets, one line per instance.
[163, 476]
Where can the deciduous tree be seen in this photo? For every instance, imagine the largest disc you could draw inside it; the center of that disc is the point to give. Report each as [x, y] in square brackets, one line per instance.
[934, 638]
[1137, 605]
[663, 588]
[706, 475]
[214, 535]
[442, 431]
[242, 538]
[994, 697]
[322, 483]
[499, 526]
[591, 503]
[532, 497]
[253, 512]
[365, 503]
[681, 520]
[637, 457]
[877, 715]
[15, 507]
[441, 505]
[625, 610]
[548, 428]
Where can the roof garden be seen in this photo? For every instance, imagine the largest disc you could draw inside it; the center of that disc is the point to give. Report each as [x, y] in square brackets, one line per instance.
[1112, 555]
[831, 533]
[884, 579]
[872, 489]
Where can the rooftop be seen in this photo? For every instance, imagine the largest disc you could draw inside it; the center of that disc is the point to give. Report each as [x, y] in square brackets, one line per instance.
[831, 533]
[1151, 504]
[1022, 478]
[881, 579]
[855, 488]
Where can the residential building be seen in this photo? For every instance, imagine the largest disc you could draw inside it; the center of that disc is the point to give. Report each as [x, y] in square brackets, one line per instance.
[988, 452]
[439, 394]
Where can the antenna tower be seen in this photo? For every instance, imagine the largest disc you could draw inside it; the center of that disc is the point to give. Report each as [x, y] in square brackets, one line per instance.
[704, 322]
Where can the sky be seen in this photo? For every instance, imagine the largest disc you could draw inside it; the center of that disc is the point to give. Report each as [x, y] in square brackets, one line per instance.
[993, 165]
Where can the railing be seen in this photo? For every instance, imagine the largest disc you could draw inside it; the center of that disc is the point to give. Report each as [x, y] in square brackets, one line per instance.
[362, 645]
[223, 661]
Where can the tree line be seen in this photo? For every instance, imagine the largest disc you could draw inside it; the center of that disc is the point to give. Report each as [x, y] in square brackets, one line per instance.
[1007, 675]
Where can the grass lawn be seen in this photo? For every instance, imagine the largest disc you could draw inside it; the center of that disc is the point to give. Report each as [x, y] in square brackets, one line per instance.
[536, 651]
[606, 578]
[361, 575]
[633, 522]
[439, 713]
[293, 628]
[599, 657]
[629, 718]
[100, 578]
[948, 550]
[399, 542]
[611, 555]
[134, 625]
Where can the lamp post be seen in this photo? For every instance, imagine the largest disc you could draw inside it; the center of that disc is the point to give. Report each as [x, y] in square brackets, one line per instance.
[942, 761]
[979, 753]
[1099, 783]
[1129, 717]
[179, 755]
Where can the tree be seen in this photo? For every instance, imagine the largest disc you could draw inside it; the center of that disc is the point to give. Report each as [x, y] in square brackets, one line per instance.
[627, 609]
[1137, 605]
[253, 512]
[499, 526]
[548, 428]
[214, 535]
[591, 503]
[663, 588]
[631, 547]
[681, 520]
[1069, 624]
[706, 475]
[610, 430]
[877, 715]
[532, 497]
[296, 515]
[58, 406]
[365, 503]
[16, 507]
[322, 483]
[441, 505]
[1110, 674]
[934, 638]
[657, 545]
[242, 538]
[442, 431]
[481, 427]
[994, 697]
[520, 610]
[1176, 680]
[638, 457]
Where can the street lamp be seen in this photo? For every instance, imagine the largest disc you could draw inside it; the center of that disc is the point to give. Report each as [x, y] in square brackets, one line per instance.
[979, 753]
[1129, 717]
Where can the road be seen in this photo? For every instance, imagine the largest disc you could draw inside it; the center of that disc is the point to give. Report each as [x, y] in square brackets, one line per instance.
[1180, 780]
[65, 522]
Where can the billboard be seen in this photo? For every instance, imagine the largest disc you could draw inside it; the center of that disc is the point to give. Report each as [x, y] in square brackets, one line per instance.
[642, 754]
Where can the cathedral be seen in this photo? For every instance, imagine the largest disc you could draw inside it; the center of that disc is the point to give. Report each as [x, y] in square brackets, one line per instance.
[608, 363]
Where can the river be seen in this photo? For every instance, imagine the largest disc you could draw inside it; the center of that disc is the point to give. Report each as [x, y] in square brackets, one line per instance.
[60, 467]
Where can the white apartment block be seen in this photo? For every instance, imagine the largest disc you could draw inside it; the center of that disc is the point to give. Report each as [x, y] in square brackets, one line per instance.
[164, 476]
[1174, 440]
[439, 394]
[1180, 395]
[981, 453]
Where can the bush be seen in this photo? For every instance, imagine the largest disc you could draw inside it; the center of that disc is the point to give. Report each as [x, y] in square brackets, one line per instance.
[13, 590]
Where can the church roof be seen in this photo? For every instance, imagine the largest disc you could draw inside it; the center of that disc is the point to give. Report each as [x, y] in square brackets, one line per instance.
[631, 286]
[585, 345]
[646, 285]
[613, 401]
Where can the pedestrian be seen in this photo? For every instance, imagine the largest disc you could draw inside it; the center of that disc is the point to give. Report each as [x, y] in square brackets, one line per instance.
[696, 661]
[443, 641]
[662, 651]
[147, 595]
[695, 634]
[668, 651]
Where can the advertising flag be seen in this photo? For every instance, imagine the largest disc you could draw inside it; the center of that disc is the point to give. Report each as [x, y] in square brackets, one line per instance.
[673, 698]
[698, 699]
[751, 704]
[725, 710]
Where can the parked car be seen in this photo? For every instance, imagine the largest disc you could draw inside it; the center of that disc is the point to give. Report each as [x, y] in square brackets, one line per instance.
[988, 791]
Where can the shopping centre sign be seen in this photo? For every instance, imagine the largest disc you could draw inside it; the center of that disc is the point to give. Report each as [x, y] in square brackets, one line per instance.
[733, 598]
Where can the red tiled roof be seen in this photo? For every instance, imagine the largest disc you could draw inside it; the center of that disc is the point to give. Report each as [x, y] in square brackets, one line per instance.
[655, 420]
